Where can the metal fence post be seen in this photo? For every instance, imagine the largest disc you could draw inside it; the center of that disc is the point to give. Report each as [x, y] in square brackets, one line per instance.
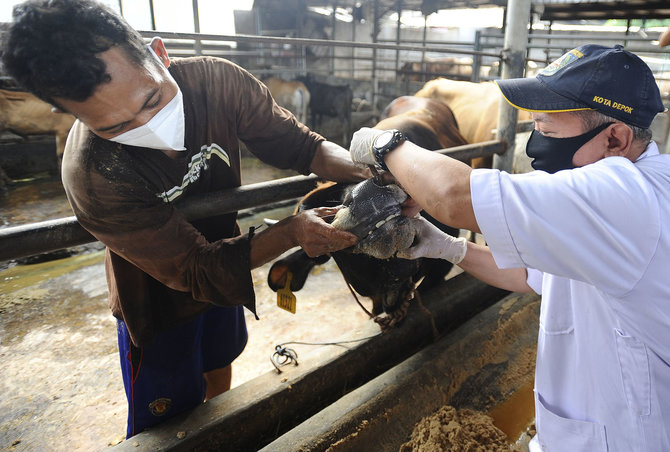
[513, 63]
[477, 59]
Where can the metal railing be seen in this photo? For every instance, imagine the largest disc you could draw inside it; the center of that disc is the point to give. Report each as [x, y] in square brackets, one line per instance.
[52, 235]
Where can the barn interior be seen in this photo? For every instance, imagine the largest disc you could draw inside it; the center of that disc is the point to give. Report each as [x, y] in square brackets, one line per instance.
[369, 394]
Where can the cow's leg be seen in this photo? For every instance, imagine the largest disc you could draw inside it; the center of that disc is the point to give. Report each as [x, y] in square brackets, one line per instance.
[4, 181]
[60, 149]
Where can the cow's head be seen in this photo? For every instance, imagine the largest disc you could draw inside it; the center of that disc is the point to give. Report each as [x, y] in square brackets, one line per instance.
[372, 212]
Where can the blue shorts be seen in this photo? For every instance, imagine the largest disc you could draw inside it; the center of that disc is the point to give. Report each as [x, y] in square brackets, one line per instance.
[165, 378]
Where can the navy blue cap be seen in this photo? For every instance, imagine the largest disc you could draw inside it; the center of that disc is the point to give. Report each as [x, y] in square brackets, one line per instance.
[611, 80]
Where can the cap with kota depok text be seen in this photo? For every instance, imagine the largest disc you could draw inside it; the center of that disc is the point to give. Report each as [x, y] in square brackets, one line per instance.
[611, 80]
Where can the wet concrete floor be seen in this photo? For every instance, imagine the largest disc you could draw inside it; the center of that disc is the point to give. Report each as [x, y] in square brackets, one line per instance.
[60, 383]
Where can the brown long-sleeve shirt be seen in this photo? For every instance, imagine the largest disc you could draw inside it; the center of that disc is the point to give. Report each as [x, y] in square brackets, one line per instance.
[162, 269]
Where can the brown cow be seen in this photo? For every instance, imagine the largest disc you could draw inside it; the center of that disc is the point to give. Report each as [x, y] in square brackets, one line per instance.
[389, 282]
[664, 40]
[455, 67]
[25, 114]
[428, 117]
[475, 106]
[292, 95]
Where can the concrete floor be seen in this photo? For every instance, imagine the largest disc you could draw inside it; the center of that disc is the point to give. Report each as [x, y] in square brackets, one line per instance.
[60, 384]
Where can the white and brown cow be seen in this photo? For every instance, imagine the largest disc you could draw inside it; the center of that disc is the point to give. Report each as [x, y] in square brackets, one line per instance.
[24, 114]
[290, 94]
[475, 106]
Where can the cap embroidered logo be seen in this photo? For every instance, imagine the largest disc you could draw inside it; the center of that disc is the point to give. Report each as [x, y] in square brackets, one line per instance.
[560, 63]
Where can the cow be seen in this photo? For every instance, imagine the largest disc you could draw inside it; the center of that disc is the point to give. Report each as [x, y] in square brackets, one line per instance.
[430, 118]
[24, 114]
[455, 67]
[292, 95]
[372, 212]
[333, 101]
[664, 40]
[475, 106]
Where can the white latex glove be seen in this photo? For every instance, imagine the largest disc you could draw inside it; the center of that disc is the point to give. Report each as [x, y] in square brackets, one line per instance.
[434, 243]
[361, 146]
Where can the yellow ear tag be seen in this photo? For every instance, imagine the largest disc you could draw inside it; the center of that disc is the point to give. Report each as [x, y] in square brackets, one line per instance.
[285, 298]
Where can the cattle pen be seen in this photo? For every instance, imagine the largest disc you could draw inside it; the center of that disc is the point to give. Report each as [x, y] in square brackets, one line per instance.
[367, 395]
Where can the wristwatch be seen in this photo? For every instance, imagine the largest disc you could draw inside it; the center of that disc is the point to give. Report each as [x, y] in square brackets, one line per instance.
[385, 143]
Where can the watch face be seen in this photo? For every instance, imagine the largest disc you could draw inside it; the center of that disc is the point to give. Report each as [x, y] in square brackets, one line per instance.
[383, 139]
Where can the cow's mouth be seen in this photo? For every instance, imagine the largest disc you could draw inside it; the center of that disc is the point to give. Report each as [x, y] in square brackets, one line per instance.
[374, 214]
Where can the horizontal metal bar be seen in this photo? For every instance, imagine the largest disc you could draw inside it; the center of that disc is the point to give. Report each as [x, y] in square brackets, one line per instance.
[306, 41]
[470, 151]
[52, 235]
[525, 126]
[582, 37]
[439, 43]
[570, 45]
[246, 196]
[42, 237]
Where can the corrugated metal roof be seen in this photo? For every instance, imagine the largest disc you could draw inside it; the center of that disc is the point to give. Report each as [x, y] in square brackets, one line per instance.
[602, 10]
[558, 10]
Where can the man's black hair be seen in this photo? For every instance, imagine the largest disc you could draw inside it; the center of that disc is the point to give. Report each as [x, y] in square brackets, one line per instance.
[51, 47]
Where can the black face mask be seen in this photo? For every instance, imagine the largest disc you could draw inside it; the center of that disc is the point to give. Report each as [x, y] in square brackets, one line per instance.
[555, 154]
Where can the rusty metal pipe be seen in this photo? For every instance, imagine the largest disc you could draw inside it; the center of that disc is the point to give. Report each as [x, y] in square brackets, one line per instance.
[45, 236]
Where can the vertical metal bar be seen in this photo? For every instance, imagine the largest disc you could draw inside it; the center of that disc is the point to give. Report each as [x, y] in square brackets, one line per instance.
[333, 22]
[625, 42]
[373, 78]
[397, 42]
[260, 57]
[529, 40]
[477, 60]
[516, 41]
[197, 44]
[423, 44]
[153, 14]
[547, 52]
[121, 7]
[300, 51]
[353, 39]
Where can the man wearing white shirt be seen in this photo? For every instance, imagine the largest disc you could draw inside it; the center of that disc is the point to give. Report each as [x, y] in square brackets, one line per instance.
[585, 230]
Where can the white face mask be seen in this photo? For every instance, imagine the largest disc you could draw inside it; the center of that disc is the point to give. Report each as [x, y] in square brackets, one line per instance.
[164, 131]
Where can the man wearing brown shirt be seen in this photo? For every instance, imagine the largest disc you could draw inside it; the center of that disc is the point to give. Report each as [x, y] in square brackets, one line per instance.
[151, 131]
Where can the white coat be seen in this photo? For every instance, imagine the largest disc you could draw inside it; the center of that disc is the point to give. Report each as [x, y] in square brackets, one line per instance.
[599, 239]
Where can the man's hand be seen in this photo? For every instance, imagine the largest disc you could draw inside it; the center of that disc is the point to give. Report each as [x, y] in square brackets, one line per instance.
[434, 243]
[315, 236]
[361, 146]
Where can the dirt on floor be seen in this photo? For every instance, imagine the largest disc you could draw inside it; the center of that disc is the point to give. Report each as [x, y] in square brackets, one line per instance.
[452, 430]
[60, 380]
